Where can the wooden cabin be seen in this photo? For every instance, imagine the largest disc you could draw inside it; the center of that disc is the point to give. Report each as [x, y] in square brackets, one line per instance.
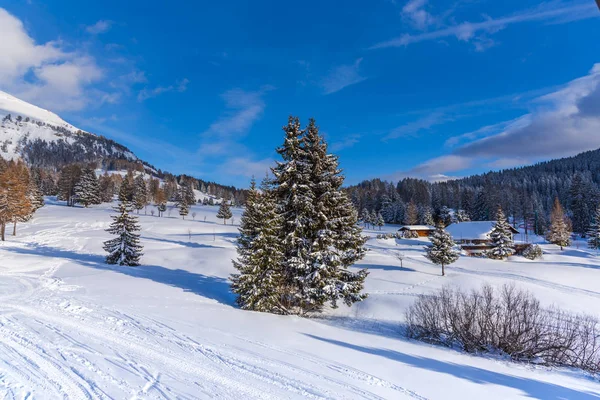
[474, 237]
[422, 230]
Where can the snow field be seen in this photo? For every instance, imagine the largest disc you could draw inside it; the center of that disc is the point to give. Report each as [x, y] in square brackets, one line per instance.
[73, 327]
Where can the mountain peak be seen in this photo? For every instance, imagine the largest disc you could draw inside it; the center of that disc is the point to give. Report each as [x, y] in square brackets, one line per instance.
[9, 104]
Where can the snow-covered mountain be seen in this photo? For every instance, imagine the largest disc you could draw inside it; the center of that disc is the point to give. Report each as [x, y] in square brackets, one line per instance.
[43, 139]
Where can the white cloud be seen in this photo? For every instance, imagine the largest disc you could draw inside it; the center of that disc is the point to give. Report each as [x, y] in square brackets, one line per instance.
[342, 76]
[414, 127]
[99, 27]
[244, 166]
[146, 93]
[468, 31]
[561, 124]
[46, 74]
[244, 108]
[414, 12]
[347, 142]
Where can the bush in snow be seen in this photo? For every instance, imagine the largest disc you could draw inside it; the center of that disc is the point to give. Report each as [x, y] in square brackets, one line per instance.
[508, 320]
[411, 235]
[532, 252]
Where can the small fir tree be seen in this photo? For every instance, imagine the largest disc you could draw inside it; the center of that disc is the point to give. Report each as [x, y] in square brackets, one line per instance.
[127, 188]
[36, 198]
[441, 252]
[184, 208]
[140, 193]
[380, 222]
[445, 216]
[224, 212]
[594, 231]
[125, 249]
[427, 218]
[502, 239]
[87, 190]
[559, 232]
[365, 217]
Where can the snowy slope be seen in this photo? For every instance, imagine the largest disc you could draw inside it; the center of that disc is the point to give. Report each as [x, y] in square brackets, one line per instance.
[12, 105]
[48, 129]
[72, 327]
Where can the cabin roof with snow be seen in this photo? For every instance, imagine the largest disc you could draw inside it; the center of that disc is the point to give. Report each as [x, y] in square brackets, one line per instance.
[474, 230]
[417, 228]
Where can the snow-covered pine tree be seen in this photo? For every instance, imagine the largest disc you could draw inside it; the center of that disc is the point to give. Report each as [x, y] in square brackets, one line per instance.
[365, 217]
[461, 216]
[441, 252]
[184, 208]
[258, 282]
[445, 216]
[380, 222]
[559, 232]
[189, 196]
[140, 193]
[87, 190]
[125, 249]
[330, 238]
[295, 201]
[224, 212]
[427, 217]
[502, 239]
[594, 231]
[127, 188]
[36, 198]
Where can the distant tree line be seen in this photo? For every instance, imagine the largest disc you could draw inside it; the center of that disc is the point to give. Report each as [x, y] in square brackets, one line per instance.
[527, 195]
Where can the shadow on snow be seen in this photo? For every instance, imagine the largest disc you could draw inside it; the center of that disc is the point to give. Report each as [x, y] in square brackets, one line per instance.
[533, 388]
[211, 287]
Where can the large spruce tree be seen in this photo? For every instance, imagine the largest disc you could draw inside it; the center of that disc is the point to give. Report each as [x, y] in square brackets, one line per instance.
[502, 239]
[258, 283]
[320, 237]
[125, 249]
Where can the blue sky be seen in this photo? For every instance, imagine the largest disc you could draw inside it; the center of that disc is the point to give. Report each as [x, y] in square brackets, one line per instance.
[400, 88]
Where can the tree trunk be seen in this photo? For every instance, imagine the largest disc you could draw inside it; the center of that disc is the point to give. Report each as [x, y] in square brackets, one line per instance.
[443, 270]
[2, 229]
[15, 229]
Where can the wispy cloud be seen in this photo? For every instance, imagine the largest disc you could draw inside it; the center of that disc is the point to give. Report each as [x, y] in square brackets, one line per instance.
[342, 76]
[468, 31]
[561, 124]
[243, 108]
[99, 27]
[415, 127]
[415, 13]
[146, 93]
[345, 143]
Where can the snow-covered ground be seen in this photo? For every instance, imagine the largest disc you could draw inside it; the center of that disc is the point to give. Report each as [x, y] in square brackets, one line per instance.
[73, 327]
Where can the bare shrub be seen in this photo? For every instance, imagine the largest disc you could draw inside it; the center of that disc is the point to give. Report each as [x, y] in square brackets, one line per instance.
[508, 320]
